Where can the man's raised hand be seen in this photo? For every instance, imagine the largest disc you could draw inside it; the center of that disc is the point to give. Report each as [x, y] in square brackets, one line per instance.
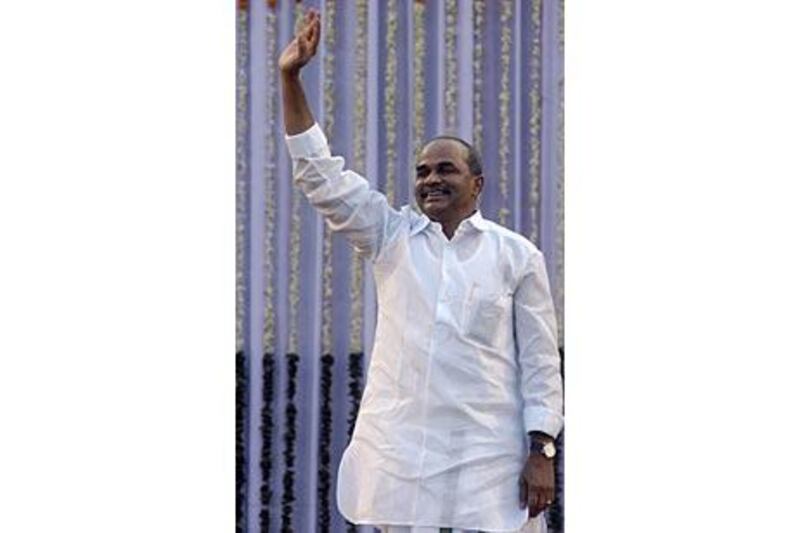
[304, 45]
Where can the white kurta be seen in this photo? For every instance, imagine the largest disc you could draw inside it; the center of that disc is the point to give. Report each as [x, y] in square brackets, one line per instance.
[465, 359]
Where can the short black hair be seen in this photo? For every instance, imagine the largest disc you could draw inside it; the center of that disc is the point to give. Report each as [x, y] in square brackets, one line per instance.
[473, 157]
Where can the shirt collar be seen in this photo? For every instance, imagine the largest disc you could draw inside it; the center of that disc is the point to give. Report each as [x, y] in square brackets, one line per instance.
[475, 220]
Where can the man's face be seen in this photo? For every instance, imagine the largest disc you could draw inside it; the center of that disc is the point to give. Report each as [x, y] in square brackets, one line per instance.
[445, 189]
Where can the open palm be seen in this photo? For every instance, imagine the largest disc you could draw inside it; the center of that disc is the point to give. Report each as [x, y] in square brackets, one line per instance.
[304, 45]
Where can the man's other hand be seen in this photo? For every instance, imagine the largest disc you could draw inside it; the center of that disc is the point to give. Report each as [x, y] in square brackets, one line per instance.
[304, 45]
[537, 487]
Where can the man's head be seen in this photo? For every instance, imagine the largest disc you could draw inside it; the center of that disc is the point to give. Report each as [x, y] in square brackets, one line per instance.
[448, 179]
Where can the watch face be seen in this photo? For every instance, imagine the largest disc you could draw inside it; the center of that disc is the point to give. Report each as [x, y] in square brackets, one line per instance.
[549, 450]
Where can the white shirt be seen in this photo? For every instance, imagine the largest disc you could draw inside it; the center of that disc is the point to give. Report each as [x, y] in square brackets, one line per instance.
[465, 359]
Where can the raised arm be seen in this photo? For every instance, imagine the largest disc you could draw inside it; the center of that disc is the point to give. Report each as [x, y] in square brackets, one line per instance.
[341, 196]
[297, 116]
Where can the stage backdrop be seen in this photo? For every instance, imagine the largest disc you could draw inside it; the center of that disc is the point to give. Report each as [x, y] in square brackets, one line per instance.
[388, 74]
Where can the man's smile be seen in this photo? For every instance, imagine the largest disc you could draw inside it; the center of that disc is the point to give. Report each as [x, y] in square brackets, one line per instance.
[436, 194]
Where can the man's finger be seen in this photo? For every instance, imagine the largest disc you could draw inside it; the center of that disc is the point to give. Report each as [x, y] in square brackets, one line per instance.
[311, 15]
[308, 24]
[534, 502]
[315, 35]
[523, 493]
[308, 29]
[551, 495]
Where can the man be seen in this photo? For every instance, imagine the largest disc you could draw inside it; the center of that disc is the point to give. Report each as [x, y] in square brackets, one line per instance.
[465, 360]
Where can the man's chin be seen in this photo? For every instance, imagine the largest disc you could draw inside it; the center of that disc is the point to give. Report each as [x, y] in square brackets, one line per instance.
[433, 212]
[435, 208]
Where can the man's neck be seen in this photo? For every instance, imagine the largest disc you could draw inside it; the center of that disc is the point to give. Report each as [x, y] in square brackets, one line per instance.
[449, 227]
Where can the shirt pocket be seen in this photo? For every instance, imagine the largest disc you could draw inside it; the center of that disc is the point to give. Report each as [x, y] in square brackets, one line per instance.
[487, 315]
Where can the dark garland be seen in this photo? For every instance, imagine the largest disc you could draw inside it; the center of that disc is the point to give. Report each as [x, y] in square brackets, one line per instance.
[241, 464]
[268, 393]
[555, 513]
[354, 368]
[356, 372]
[324, 450]
[289, 438]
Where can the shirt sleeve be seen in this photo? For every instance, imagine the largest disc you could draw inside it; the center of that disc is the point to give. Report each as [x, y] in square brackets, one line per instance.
[341, 196]
[536, 337]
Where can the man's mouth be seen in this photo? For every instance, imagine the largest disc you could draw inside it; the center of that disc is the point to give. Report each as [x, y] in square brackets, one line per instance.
[435, 194]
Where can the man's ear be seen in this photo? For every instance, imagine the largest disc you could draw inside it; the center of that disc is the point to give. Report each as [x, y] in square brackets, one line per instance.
[478, 185]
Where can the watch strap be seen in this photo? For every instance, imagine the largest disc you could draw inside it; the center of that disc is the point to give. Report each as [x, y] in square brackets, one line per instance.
[539, 447]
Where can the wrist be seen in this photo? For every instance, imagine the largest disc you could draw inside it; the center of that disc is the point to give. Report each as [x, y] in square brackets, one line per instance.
[540, 436]
[542, 444]
[290, 74]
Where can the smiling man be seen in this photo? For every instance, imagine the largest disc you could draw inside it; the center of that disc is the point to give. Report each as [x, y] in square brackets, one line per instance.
[463, 395]
[449, 181]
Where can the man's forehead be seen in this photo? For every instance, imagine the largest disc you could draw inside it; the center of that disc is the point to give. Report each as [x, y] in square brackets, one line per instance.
[442, 150]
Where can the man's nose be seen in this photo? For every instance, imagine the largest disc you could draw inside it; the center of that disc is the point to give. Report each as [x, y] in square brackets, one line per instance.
[432, 178]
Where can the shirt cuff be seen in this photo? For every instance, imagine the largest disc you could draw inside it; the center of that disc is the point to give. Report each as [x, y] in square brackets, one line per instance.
[310, 143]
[544, 420]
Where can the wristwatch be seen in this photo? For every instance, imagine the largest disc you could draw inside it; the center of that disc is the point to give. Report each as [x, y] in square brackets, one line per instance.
[548, 449]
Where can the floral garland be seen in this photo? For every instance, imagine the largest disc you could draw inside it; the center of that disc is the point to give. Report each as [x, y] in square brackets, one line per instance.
[242, 100]
[241, 449]
[535, 120]
[505, 100]
[294, 249]
[324, 446]
[327, 242]
[419, 86]
[326, 375]
[242, 170]
[356, 375]
[268, 361]
[289, 439]
[390, 87]
[479, 8]
[555, 513]
[270, 151]
[559, 277]
[268, 380]
[359, 163]
[451, 66]
[419, 78]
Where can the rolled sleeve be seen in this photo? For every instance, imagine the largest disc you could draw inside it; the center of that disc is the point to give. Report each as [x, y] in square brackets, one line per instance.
[544, 420]
[343, 197]
[310, 143]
